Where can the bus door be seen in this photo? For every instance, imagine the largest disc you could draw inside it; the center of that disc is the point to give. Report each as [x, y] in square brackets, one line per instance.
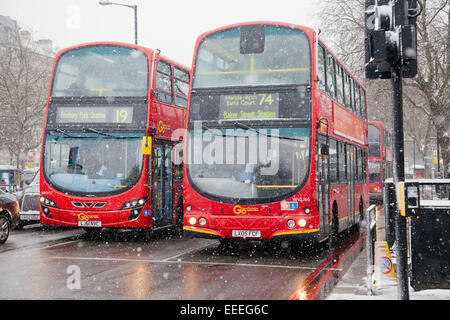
[162, 185]
[351, 176]
[168, 183]
[322, 181]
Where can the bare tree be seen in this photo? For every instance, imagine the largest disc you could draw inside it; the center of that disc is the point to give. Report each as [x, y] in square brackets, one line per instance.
[24, 79]
[426, 96]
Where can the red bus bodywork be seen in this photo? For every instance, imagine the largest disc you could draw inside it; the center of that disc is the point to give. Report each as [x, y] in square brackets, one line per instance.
[380, 159]
[163, 122]
[313, 217]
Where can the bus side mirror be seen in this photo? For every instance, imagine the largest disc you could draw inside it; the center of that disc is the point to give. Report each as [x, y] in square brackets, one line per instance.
[146, 145]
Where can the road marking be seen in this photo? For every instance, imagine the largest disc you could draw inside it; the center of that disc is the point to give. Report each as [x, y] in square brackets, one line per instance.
[185, 252]
[60, 244]
[190, 262]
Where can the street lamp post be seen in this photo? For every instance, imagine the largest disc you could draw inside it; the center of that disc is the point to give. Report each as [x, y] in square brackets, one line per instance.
[134, 7]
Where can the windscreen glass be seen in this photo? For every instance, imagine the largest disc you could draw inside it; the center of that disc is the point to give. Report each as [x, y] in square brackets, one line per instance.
[101, 71]
[256, 164]
[88, 163]
[252, 56]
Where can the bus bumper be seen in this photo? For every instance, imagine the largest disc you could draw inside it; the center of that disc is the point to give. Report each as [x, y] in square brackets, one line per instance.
[195, 232]
[93, 219]
[270, 228]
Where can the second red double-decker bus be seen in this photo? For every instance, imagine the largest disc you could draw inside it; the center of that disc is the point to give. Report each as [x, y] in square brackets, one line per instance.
[380, 159]
[276, 145]
[112, 151]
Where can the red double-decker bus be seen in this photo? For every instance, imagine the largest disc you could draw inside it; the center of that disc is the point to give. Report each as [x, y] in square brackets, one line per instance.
[380, 159]
[112, 150]
[276, 143]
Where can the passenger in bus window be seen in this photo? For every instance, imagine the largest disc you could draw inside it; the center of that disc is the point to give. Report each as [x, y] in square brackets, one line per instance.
[90, 165]
[78, 87]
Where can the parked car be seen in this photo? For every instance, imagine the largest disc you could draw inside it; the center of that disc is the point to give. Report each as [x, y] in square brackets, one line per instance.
[29, 202]
[9, 214]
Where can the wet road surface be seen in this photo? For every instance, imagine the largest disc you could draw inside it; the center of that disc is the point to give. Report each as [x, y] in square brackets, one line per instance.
[57, 263]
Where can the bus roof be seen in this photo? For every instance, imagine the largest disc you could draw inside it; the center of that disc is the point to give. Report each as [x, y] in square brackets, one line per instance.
[275, 23]
[380, 125]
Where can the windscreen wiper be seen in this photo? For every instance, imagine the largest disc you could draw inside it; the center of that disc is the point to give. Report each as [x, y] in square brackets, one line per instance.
[243, 126]
[104, 134]
[67, 135]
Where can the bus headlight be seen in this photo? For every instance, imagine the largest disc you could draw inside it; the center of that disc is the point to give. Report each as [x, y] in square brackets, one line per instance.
[135, 203]
[47, 202]
[192, 220]
[291, 224]
[202, 221]
[301, 223]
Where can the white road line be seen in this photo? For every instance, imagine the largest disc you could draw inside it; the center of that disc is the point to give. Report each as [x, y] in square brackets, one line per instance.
[186, 252]
[60, 244]
[191, 262]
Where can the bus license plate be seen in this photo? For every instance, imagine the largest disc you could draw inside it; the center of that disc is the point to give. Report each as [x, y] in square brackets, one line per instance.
[246, 233]
[93, 224]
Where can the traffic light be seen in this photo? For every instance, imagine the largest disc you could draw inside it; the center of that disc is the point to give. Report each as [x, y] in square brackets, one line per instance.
[374, 42]
[409, 39]
[390, 37]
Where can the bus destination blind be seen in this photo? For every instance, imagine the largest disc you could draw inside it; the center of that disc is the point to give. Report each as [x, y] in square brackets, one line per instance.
[94, 115]
[249, 106]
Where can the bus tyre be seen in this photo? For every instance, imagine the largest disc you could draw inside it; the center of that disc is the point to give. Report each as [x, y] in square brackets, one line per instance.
[5, 227]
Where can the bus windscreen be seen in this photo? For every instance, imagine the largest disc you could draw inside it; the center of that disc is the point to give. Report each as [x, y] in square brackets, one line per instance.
[89, 163]
[256, 164]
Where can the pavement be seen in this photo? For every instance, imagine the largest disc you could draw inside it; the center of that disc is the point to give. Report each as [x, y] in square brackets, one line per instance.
[353, 285]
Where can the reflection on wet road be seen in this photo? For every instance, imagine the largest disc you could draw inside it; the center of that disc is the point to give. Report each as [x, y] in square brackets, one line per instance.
[121, 266]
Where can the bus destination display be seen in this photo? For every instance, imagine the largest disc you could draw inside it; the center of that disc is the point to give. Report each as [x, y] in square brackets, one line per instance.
[94, 115]
[249, 106]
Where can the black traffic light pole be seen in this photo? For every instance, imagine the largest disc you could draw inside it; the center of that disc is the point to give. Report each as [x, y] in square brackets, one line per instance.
[391, 53]
[401, 247]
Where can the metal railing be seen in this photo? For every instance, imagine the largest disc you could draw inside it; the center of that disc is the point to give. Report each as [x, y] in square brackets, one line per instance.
[371, 237]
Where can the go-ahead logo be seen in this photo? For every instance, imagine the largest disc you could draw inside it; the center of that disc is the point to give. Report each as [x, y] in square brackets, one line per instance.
[85, 217]
[241, 210]
[162, 127]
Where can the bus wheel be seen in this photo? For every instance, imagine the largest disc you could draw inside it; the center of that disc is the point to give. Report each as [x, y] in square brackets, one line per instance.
[334, 230]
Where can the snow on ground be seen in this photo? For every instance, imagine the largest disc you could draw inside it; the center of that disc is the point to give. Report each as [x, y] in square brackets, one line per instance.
[353, 286]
